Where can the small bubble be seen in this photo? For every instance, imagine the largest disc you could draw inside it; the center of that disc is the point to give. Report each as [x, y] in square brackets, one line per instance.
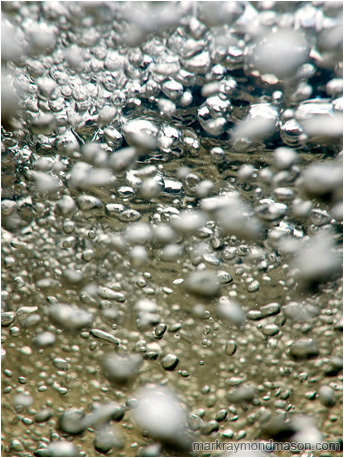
[231, 347]
[61, 364]
[253, 286]
[203, 283]
[169, 362]
[62, 390]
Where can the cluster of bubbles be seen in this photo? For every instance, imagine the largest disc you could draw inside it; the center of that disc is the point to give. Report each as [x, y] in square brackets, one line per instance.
[171, 225]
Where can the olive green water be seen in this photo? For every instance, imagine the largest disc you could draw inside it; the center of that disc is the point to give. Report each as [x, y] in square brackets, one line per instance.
[205, 373]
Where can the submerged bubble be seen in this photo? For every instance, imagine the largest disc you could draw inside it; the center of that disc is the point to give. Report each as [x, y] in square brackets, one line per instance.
[61, 448]
[230, 347]
[230, 311]
[107, 439]
[203, 283]
[122, 159]
[61, 364]
[44, 339]
[70, 317]
[129, 215]
[141, 133]
[304, 349]
[260, 123]
[120, 369]
[71, 421]
[159, 413]
[43, 415]
[7, 318]
[169, 362]
[104, 336]
[326, 396]
[280, 53]
[316, 262]
[87, 203]
[103, 414]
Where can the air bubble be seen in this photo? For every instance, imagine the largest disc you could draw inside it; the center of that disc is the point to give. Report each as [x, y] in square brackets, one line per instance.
[71, 421]
[203, 283]
[107, 439]
[87, 203]
[70, 317]
[121, 369]
[7, 318]
[304, 349]
[44, 339]
[231, 347]
[230, 311]
[172, 195]
[253, 286]
[104, 336]
[108, 293]
[169, 362]
[61, 364]
[141, 133]
[129, 215]
[160, 414]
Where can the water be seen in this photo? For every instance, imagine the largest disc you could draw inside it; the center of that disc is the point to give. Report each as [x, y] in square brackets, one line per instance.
[171, 213]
